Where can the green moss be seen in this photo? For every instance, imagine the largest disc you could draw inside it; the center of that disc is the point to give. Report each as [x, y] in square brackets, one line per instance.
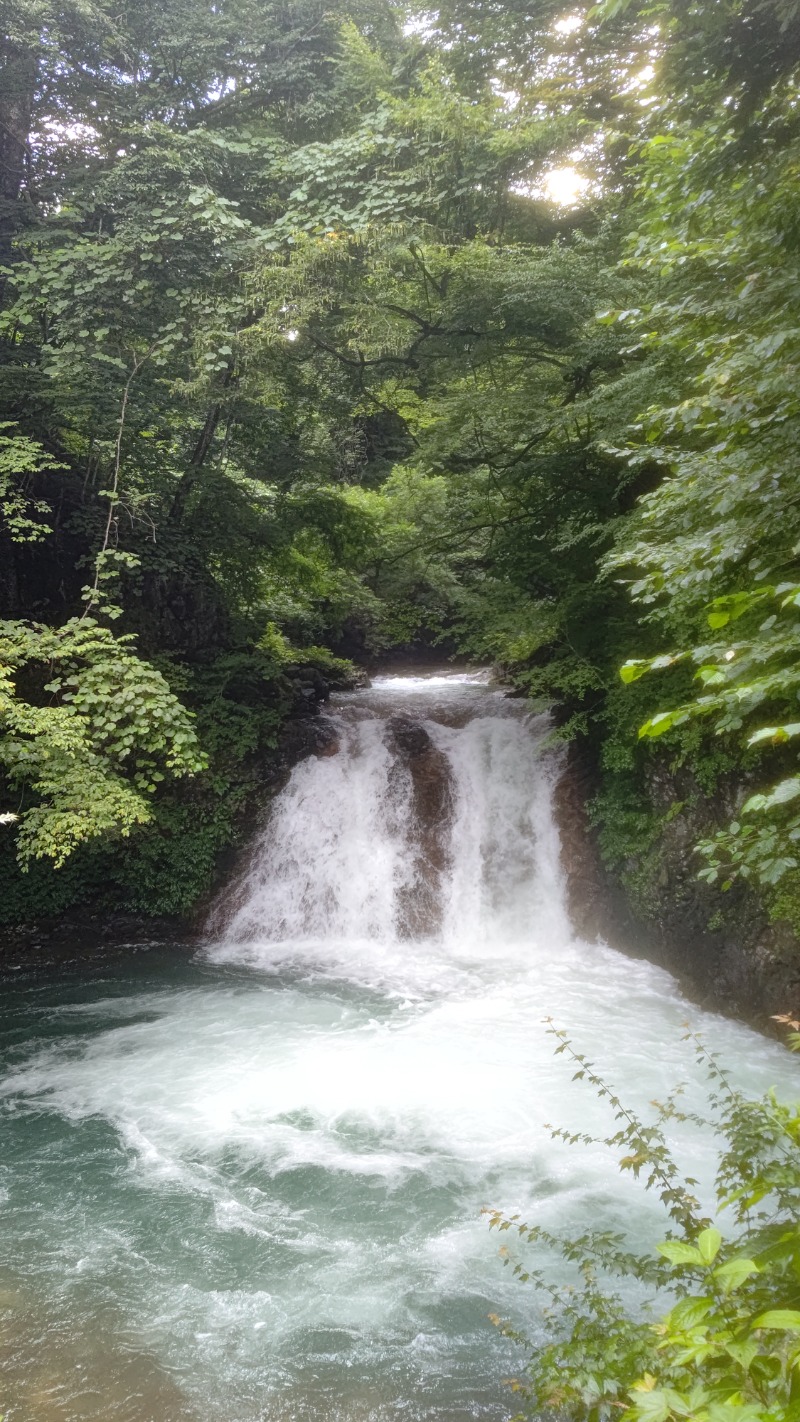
[784, 902]
[626, 822]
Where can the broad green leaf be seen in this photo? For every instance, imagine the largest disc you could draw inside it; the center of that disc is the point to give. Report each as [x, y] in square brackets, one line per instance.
[689, 1312]
[735, 1272]
[786, 1319]
[632, 671]
[679, 1253]
[777, 734]
[708, 1243]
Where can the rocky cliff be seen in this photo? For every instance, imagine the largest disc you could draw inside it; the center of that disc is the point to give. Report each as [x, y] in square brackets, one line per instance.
[723, 947]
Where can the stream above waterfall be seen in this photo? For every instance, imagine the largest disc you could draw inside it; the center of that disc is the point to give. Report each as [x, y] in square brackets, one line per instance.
[245, 1184]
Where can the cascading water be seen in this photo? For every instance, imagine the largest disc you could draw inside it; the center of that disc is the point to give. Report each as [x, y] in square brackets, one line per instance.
[248, 1185]
[409, 828]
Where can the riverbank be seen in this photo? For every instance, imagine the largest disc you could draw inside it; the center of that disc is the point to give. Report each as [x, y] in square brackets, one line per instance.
[722, 948]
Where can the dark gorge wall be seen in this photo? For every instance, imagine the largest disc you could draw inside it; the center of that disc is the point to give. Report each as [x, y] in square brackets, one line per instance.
[726, 949]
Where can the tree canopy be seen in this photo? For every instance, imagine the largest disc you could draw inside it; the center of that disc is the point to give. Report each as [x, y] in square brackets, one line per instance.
[332, 329]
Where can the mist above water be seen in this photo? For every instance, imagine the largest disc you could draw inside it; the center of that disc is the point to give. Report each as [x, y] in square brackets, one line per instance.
[257, 1177]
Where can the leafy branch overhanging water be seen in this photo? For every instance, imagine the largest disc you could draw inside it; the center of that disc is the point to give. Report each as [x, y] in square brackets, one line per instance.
[729, 1349]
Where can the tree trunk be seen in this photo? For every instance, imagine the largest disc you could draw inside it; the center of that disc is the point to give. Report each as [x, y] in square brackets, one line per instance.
[17, 85]
[199, 454]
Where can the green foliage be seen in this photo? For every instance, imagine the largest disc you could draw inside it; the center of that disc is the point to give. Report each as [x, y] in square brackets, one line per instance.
[98, 731]
[628, 829]
[741, 679]
[713, 549]
[22, 516]
[239, 703]
[42, 892]
[296, 355]
[726, 1345]
[784, 901]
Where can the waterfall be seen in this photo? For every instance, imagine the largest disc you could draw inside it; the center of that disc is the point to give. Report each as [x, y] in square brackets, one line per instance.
[428, 817]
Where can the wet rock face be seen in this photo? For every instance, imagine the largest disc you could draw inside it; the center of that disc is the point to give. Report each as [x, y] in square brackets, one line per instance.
[721, 946]
[304, 736]
[587, 886]
[409, 737]
[421, 902]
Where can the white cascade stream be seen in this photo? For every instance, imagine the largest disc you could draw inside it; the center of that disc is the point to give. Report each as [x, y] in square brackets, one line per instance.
[340, 861]
[249, 1185]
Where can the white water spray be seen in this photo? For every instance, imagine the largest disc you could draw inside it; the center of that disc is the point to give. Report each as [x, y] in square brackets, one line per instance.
[350, 851]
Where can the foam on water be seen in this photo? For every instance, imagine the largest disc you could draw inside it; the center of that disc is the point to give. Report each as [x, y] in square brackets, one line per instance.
[258, 1176]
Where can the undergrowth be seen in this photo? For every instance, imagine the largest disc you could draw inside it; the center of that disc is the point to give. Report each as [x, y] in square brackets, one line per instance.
[725, 1346]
